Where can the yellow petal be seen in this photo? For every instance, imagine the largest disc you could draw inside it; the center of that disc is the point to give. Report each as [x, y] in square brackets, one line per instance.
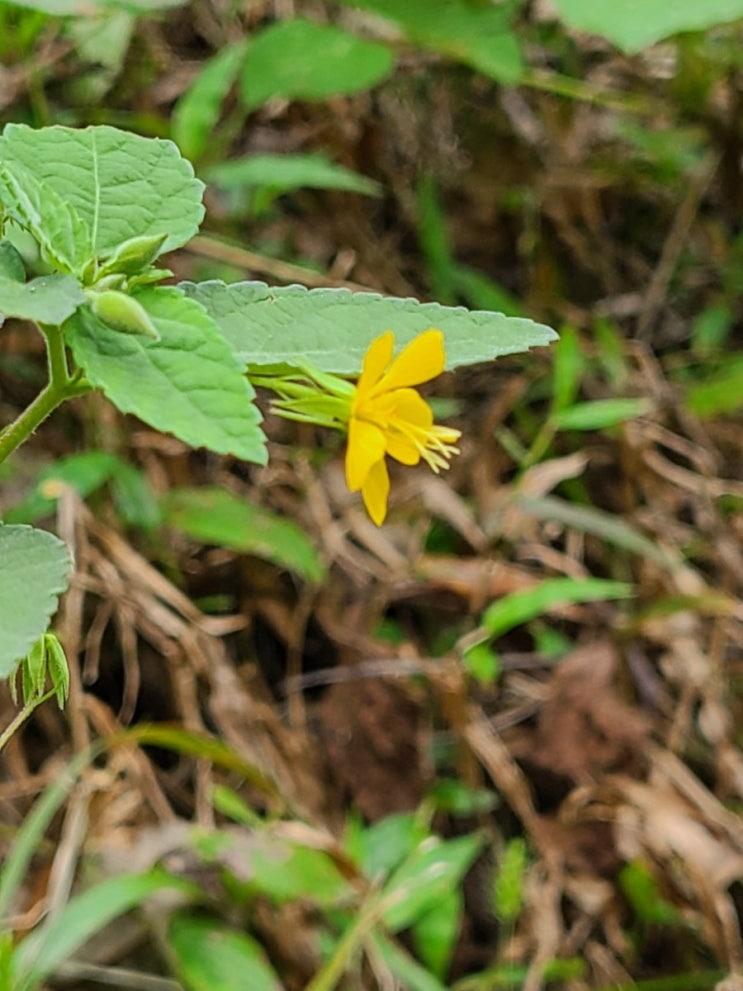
[366, 446]
[402, 448]
[421, 360]
[410, 407]
[375, 492]
[376, 359]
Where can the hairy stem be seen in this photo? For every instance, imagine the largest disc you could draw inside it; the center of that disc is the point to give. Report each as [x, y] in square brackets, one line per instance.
[62, 385]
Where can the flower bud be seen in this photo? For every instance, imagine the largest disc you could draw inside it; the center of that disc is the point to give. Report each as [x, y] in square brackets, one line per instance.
[134, 255]
[123, 313]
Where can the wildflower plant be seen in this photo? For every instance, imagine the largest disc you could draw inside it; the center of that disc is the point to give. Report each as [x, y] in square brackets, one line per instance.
[382, 414]
[85, 216]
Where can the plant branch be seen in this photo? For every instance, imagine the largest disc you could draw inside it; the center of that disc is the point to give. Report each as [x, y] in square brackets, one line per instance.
[22, 716]
[61, 386]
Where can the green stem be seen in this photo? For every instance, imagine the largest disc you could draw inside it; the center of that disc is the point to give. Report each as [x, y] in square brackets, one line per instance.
[61, 386]
[22, 716]
[327, 978]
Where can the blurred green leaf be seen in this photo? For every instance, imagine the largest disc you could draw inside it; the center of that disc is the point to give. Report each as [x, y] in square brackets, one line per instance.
[196, 113]
[711, 329]
[28, 838]
[210, 957]
[216, 516]
[435, 933]
[182, 741]
[282, 173]
[482, 293]
[569, 364]
[633, 26]
[520, 607]
[135, 500]
[84, 473]
[434, 241]
[299, 59]
[453, 796]
[414, 977]
[427, 875]
[721, 393]
[56, 939]
[601, 413]
[382, 846]
[284, 871]
[641, 890]
[606, 526]
[479, 35]
[482, 663]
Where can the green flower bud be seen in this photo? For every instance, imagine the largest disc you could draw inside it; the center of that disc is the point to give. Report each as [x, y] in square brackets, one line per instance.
[33, 671]
[123, 313]
[134, 255]
[113, 281]
[59, 672]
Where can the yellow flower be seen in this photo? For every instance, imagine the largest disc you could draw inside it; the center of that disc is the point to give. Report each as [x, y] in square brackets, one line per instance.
[389, 417]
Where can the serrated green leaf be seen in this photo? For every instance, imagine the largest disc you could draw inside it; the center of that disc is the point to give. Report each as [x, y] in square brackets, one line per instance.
[286, 172]
[210, 957]
[477, 34]
[61, 233]
[197, 110]
[34, 566]
[49, 299]
[187, 383]
[332, 328]
[633, 26]
[119, 184]
[299, 59]
[216, 516]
